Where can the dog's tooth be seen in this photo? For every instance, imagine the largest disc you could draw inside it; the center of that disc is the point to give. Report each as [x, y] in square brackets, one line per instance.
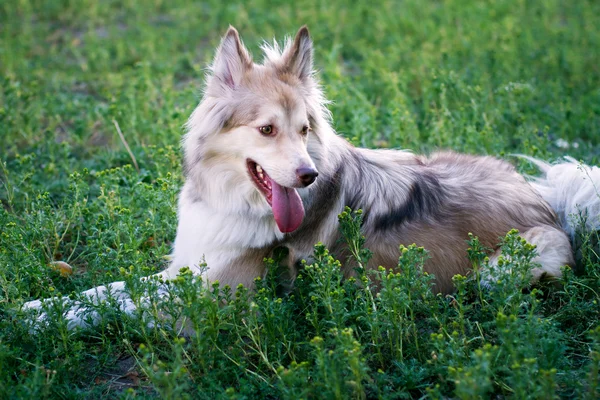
[259, 169]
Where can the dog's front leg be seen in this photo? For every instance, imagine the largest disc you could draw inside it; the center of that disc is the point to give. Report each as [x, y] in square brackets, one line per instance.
[228, 249]
[84, 311]
[227, 268]
[77, 313]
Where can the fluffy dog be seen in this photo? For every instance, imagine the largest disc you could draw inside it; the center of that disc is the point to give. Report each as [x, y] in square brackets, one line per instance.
[264, 168]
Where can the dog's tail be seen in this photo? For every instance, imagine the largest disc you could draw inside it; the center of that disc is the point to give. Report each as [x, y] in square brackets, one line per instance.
[573, 190]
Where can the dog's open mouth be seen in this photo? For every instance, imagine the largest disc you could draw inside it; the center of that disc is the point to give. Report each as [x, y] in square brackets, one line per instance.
[285, 202]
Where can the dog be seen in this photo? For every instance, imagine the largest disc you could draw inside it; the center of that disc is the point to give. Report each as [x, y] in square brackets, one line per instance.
[264, 168]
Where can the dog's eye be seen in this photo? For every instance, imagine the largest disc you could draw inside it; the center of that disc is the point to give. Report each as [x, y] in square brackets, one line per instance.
[266, 130]
[305, 130]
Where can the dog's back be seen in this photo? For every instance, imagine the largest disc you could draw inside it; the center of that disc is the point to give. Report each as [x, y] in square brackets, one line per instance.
[434, 202]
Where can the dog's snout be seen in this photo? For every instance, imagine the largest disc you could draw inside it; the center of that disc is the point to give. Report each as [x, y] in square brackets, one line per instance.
[307, 175]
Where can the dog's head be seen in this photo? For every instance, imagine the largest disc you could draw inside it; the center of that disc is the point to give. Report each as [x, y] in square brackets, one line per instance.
[247, 140]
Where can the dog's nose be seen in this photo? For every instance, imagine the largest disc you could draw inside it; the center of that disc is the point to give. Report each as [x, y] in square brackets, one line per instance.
[307, 175]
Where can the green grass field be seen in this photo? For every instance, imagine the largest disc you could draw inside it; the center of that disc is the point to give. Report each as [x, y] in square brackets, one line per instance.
[484, 77]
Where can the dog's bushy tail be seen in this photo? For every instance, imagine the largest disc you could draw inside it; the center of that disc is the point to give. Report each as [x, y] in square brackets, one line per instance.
[573, 190]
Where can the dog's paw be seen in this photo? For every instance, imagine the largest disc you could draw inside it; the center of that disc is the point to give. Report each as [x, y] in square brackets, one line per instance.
[36, 317]
[74, 313]
[89, 310]
[33, 305]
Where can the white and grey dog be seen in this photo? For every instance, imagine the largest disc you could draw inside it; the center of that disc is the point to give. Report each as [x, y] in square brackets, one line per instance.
[264, 168]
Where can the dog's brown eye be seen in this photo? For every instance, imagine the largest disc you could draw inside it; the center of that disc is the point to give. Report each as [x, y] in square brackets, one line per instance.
[266, 130]
[305, 130]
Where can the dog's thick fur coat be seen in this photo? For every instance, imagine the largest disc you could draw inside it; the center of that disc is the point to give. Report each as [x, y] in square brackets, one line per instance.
[262, 132]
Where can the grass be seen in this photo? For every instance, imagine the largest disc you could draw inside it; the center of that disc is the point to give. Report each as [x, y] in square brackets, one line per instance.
[490, 77]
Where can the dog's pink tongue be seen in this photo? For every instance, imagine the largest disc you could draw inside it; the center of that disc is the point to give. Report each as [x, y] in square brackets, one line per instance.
[287, 207]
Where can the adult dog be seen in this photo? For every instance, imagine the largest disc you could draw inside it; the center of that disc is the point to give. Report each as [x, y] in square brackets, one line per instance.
[264, 168]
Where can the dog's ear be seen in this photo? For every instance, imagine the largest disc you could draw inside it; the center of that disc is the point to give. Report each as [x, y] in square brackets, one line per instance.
[298, 58]
[232, 60]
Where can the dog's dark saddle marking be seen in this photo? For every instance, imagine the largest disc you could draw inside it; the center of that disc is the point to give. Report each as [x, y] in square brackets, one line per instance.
[424, 201]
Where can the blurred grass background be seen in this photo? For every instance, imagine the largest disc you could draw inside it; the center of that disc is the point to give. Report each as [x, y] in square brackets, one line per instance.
[476, 76]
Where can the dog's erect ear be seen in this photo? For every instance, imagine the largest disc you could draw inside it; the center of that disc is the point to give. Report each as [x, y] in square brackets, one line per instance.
[232, 59]
[298, 58]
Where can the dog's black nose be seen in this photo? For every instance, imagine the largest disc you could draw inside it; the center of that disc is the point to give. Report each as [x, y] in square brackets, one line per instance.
[307, 175]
